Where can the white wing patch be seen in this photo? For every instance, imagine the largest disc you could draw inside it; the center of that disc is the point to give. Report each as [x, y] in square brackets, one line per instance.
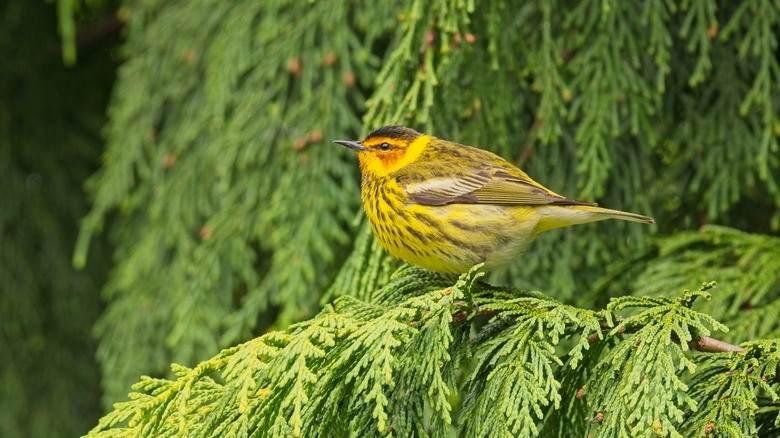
[447, 187]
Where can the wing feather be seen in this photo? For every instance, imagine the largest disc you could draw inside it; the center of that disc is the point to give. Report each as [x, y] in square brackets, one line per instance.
[488, 184]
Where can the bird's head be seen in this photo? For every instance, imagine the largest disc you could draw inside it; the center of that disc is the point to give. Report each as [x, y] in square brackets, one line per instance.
[388, 149]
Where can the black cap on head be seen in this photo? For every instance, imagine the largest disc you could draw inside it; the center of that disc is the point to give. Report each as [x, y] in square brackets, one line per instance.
[395, 131]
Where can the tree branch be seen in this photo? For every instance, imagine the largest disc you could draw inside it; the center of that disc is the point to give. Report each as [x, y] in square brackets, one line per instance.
[707, 344]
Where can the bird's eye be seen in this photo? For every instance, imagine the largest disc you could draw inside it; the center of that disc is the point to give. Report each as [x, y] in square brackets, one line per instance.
[384, 147]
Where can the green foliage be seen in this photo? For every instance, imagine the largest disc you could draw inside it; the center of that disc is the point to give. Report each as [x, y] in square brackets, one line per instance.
[747, 267]
[217, 157]
[304, 380]
[234, 225]
[514, 377]
[731, 387]
[231, 216]
[636, 386]
[377, 369]
[366, 269]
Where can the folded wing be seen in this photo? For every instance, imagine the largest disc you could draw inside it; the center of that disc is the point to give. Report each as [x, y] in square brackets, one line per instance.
[483, 185]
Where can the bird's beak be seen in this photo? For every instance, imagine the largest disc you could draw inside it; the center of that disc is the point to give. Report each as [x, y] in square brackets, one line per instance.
[355, 145]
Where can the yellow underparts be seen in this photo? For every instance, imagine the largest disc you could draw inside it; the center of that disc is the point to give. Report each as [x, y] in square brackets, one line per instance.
[448, 238]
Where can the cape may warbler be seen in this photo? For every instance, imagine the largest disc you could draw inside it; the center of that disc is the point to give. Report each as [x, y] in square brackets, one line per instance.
[445, 207]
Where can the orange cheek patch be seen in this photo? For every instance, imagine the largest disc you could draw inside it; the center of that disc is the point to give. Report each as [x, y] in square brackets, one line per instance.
[389, 159]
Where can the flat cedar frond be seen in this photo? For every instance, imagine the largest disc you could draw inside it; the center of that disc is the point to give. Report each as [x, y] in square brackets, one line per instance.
[511, 384]
[402, 369]
[730, 390]
[637, 388]
[408, 281]
[514, 380]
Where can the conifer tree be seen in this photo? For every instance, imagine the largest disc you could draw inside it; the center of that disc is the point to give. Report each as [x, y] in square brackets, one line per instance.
[664, 107]
[248, 291]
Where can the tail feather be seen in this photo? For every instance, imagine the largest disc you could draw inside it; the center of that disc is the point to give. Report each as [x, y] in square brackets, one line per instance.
[617, 214]
[562, 216]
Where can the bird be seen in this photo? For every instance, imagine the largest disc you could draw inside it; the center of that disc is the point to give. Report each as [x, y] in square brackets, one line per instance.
[447, 207]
